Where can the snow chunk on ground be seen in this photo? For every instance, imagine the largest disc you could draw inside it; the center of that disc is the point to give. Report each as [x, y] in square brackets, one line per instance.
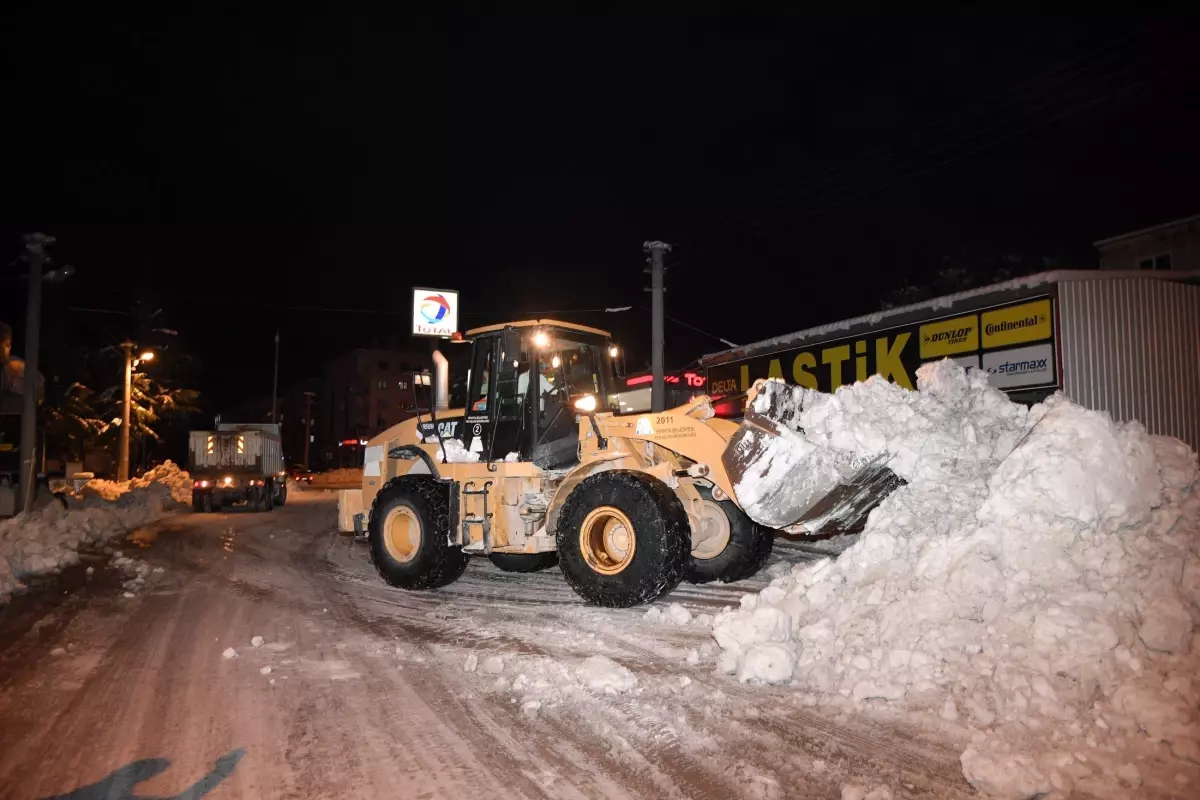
[1037, 579]
[602, 674]
[256, 641]
[229, 653]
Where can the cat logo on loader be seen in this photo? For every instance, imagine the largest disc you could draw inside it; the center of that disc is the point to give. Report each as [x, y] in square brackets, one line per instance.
[549, 470]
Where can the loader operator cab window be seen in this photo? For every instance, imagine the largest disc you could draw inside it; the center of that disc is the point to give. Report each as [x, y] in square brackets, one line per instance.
[497, 420]
[570, 367]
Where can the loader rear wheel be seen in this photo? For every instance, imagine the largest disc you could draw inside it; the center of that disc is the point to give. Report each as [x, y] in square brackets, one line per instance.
[408, 534]
[747, 546]
[623, 539]
[524, 562]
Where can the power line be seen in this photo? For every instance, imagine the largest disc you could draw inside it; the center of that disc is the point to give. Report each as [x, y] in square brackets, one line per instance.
[762, 226]
[1030, 89]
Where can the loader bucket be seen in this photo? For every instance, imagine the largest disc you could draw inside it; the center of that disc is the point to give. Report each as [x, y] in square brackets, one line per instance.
[783, 480]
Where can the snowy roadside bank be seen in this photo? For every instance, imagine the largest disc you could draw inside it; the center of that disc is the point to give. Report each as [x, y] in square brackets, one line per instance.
[44, 541]
[1035, 583]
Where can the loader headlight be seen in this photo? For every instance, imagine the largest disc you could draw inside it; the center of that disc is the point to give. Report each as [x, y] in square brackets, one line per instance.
[227, 480]
[541, 339]
[613, 351]
[587, 404]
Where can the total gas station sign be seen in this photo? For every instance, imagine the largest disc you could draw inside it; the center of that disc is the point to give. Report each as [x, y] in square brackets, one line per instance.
[435, 312]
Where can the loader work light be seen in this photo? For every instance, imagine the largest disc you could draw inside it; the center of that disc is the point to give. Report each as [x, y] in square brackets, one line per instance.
[587, 403]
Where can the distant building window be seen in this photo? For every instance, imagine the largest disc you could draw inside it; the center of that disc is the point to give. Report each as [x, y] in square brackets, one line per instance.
[402, 385]
[381, 385]
[1157, 263]
[383, 366]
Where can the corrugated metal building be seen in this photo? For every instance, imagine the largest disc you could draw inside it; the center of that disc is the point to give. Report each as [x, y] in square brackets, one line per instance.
[1125, 342]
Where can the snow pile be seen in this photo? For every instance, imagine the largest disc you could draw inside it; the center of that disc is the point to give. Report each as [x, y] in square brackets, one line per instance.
[177, 481]
[342, 476]
[44, 541]
[1037, 580]
[170, 475]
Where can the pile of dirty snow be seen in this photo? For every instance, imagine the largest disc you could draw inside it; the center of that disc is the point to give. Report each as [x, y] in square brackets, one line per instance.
[168, 474]
[45, 540]
[1036, 581]
[342, 476]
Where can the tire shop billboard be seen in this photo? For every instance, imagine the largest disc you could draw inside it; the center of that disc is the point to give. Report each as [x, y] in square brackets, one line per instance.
[1014, 342]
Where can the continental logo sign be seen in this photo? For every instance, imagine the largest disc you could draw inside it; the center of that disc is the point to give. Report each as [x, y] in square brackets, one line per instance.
[950, 337]
[897, 352]
[1028, 322]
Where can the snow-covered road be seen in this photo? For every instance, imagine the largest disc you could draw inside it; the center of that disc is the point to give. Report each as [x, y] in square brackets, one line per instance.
[477, 690]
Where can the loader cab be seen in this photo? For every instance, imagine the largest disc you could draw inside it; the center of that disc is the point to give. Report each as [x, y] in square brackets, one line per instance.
[524, 381]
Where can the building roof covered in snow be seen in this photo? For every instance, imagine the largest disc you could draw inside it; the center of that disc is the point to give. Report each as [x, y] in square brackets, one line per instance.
[917, 311]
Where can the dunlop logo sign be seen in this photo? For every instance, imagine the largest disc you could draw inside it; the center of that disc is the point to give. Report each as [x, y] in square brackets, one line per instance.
[950, 337]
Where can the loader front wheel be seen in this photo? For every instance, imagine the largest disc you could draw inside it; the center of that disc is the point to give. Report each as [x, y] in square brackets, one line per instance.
[623, 539]
[738, 549]
[408, 534]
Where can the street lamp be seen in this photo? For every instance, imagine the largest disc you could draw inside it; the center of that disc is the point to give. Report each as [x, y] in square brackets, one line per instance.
[130, 363]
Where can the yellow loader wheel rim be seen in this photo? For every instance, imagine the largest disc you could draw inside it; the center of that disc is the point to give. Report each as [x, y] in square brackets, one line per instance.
[402, 534]
[716, 526]
[607, 540]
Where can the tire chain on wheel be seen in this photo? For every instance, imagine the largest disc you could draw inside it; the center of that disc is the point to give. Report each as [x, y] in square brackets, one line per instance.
[449, 561]
[674, 549]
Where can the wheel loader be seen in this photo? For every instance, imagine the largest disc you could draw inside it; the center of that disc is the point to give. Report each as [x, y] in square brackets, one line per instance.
[541, 466]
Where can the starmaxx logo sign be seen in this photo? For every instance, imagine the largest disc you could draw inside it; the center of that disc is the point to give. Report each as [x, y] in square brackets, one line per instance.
[1021, 367]
[435, 312]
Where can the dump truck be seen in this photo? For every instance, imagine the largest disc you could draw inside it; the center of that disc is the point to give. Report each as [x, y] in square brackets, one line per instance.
[541, 466]
[237, 464]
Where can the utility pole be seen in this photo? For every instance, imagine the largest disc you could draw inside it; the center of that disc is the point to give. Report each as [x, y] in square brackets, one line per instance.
[123, 458]
[308, 398]
[35, 257]
[275, 381]
[658, 391]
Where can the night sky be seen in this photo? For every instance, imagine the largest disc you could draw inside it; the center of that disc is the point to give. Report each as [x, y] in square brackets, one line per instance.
[304, 173]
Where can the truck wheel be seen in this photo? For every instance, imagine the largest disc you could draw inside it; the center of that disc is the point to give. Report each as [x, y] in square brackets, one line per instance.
[740, 549]
[268, 498]
[524, 562]
[202, 503]
[408, 534]
[256, 501]
[622, 539]
[282, 498]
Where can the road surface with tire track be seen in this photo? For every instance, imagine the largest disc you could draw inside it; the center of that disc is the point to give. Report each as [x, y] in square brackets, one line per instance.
[375, 692]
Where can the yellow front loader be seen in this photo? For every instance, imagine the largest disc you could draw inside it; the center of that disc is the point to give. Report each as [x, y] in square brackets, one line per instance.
[541, 466]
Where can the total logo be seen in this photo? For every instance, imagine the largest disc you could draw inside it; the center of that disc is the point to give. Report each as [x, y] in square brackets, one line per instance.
[434, 308]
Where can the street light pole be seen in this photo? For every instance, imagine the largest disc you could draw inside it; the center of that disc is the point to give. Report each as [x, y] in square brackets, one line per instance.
[275, 380]
[308, 398]
[658, 393]
[123, 463]
[35, 256]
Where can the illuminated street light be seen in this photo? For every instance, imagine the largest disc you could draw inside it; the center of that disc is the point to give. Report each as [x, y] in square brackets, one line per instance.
[130, 362]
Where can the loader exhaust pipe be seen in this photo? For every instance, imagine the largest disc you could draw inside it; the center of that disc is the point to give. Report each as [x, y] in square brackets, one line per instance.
[441, 379]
